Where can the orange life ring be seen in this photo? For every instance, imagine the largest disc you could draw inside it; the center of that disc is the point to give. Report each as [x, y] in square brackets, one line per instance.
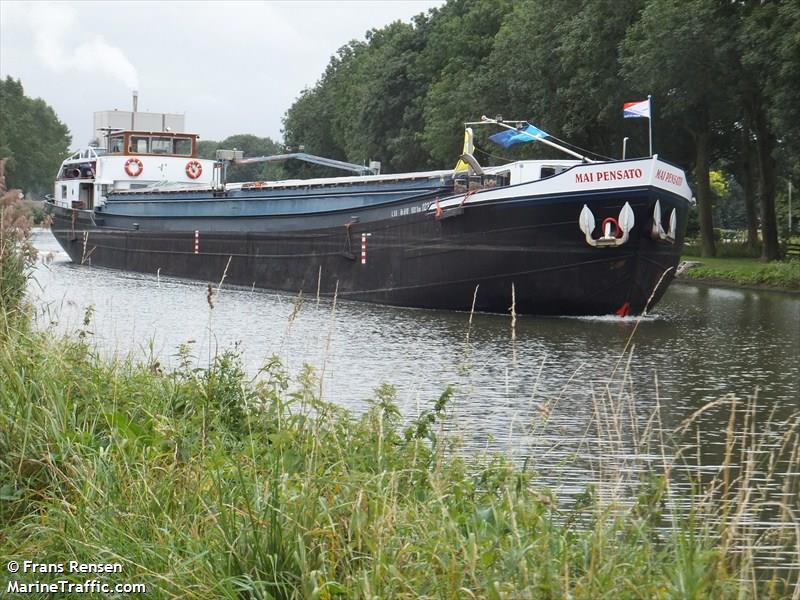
[137, 171]
[194, 169]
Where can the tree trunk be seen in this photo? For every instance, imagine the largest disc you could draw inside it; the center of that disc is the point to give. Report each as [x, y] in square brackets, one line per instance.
[748, 184]
[704, 195]
[766, 187]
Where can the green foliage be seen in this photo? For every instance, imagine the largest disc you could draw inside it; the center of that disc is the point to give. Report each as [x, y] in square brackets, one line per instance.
[459, 77]
[401, 95]
[769, 47]
[557, 64]
[17, 256]
[734, 246]
[322, 117]
[252, 146]
[692, 78]
[719, 184]
[203, 483]
[747, 271]
[32, 139]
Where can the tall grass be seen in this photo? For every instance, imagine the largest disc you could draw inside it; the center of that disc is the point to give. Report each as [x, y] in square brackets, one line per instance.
[17, 255]
[205, 483]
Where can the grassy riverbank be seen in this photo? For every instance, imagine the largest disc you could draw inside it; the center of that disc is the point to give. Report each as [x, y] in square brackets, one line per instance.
[751, 272]
[203, 483]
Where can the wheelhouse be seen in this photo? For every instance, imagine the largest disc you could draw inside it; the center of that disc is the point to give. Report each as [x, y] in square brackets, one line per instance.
[132, 160]
[152, 143]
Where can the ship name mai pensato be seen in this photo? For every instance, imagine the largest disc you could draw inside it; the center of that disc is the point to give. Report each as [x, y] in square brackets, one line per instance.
[72, 566]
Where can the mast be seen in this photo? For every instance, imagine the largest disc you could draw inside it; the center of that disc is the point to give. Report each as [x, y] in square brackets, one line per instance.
[650, 123]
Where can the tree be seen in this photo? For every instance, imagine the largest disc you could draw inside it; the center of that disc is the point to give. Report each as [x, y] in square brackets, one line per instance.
[679, 50]
[32, 139]
[321, 119]
[724, 78]
[461, 37]
[753, 25]
[745, 167]
[252, 146]
[401, 97]
[768, 50]
[557, 64]
[784, 78]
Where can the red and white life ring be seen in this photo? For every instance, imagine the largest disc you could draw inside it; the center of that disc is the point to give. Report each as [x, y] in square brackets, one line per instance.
[194, 169]
[130, 169]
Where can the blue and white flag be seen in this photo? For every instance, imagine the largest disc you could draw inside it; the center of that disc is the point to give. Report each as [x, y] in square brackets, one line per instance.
[509, 137]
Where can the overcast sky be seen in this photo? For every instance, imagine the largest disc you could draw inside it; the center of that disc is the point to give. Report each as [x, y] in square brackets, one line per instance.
[230, 67]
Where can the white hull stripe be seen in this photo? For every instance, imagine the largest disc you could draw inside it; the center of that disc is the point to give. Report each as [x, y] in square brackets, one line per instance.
[596, 177]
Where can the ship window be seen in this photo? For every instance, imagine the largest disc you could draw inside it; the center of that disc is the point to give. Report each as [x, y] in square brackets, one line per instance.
[183, 146]
[161, 145]
[116, 145]
[139, 145]
[550, 171]
[503, 178]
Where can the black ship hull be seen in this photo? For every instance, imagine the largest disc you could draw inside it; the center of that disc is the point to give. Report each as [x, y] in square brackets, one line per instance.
[529, 251]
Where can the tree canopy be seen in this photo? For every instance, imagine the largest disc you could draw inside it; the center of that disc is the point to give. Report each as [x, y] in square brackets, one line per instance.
[33, 141]
[252, 146]
[723, 77]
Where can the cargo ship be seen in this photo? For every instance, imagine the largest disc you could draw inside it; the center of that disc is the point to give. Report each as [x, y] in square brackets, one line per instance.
[548, 237]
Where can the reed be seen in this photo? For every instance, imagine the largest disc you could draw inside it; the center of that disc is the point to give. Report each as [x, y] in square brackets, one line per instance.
[17, 256]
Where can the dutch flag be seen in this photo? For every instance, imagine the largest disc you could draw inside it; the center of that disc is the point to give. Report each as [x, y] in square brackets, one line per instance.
[633, 110]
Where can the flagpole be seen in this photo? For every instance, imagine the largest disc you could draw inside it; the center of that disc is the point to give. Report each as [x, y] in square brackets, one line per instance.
[650, 122]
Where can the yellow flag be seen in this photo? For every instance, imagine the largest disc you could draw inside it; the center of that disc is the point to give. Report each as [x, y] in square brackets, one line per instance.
[468, 149]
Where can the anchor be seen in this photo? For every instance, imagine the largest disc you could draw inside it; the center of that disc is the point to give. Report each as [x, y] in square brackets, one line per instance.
[657, 232]
[613, 232]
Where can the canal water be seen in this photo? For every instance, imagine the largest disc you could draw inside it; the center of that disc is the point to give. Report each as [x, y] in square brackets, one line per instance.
[576, 399]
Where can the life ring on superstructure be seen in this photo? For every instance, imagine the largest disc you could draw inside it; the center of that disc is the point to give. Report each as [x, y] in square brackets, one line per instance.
[194, 169]
[137, 170]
